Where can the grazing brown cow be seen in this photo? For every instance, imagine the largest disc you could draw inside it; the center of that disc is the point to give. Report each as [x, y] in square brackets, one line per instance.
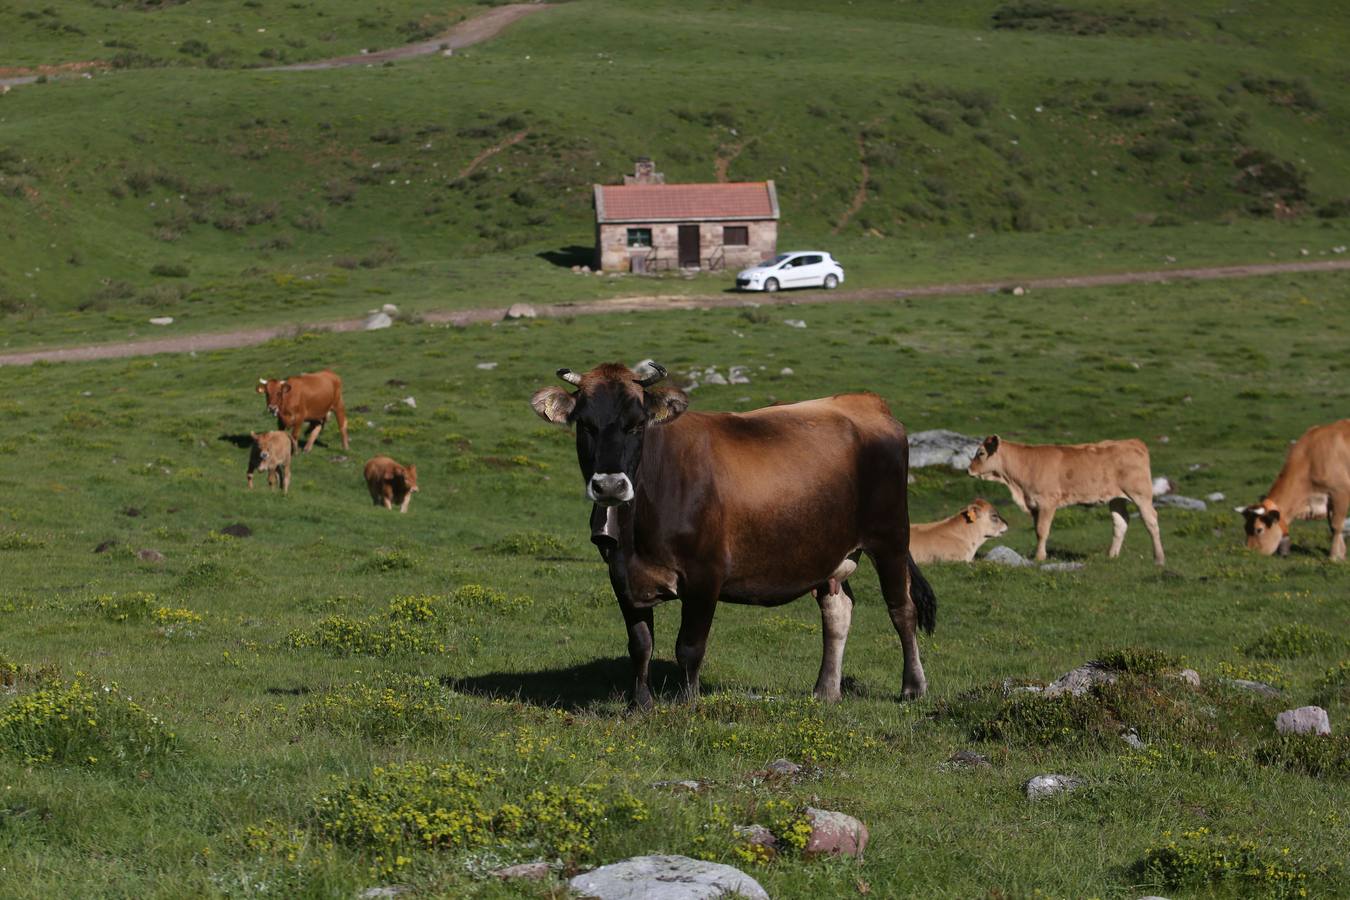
[955, 539]
[1315, 479]
[1044, 477]
[390, 483]
[759, 508]
[271, 453]
[306, 398]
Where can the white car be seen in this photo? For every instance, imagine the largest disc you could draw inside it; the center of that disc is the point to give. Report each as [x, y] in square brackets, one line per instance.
[802, 268]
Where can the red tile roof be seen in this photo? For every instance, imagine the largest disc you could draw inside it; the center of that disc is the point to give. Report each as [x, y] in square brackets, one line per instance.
[681, 202]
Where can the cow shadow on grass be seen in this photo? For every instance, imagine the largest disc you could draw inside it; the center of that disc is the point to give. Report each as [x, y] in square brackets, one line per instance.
[569, 256]
[573, 688]
[242, 441]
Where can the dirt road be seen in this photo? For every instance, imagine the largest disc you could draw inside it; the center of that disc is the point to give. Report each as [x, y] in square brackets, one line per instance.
[465, 34]
[253, 337]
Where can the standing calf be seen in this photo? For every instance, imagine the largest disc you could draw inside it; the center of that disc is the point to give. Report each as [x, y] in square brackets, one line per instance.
[1042, 478]
[271, 453]
[390, 483]
[1315, 477]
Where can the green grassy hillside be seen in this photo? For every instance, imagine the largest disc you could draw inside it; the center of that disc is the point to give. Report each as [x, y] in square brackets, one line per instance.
[290, 684]
[219, 195]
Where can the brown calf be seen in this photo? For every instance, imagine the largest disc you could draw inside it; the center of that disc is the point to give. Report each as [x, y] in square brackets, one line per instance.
[955, 539]
[271, 453]
[306, 398]
[390, 483]
[1315, 480]
[1042, 478]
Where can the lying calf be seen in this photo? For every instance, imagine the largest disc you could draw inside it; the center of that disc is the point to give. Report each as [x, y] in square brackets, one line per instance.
[956, 539]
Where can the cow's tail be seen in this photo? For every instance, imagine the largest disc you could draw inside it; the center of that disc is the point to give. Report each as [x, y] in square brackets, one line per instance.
[921, 592]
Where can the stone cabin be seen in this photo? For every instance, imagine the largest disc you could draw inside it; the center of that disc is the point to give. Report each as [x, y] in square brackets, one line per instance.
[646, 225]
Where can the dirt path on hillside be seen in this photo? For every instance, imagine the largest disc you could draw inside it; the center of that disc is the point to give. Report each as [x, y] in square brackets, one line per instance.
[252, 337]
[860, 195]
[494, 149]
[465, 34]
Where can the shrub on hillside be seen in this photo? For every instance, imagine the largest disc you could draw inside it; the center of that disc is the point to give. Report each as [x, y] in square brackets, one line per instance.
[1200, 859]
[80, 724]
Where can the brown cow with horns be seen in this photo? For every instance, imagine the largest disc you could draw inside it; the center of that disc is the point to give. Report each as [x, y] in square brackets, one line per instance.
[758, 508]
[309, 397]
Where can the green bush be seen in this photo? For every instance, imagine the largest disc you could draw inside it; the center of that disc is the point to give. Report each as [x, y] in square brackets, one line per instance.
[1197, 859]
[75, 723]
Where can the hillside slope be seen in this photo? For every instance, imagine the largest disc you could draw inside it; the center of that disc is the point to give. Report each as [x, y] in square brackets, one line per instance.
[214, 190]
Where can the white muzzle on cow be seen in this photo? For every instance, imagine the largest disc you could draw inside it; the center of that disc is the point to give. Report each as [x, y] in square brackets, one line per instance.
[609, 489]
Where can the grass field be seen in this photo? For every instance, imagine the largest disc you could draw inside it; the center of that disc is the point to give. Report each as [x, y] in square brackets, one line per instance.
[288, 704]
[1096, 139]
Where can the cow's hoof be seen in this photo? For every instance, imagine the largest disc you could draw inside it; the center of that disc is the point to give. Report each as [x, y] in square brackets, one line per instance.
[827, 696]
[913, 691]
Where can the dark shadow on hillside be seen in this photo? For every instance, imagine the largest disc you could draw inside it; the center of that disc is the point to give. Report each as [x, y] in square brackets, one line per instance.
[243, 441]
[569, 256]
[575, 687]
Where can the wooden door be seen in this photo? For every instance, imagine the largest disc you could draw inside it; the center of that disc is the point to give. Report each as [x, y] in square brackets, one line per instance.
[689, 258]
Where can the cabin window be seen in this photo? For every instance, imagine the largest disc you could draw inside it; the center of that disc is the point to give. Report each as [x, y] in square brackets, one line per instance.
[639, 237]
[736, 235]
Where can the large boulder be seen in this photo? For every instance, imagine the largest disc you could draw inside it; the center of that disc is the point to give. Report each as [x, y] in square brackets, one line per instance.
[1045, 786]
[1080, 680]
[941, 447]
[1304, 720]
[834, 834]
[666, 878]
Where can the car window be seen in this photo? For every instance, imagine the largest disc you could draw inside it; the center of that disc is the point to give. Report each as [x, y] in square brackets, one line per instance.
[808, 260]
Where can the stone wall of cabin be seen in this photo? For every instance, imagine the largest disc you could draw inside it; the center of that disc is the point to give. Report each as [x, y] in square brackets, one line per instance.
[614, 254]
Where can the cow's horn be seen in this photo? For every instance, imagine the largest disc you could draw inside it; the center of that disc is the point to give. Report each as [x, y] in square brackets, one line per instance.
[569, 376]
[655, 372]
[262, 381]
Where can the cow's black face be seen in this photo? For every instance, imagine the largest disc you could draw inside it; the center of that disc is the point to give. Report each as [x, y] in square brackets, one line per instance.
[611, 411]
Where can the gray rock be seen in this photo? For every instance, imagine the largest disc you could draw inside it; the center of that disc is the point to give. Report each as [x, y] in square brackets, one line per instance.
[1080, 680]
[783, 768]
[758, 835]
[666, 878]
[715, 378]
[153, 556]
[1216, 497]
[1062, 567]
[1006, 556]
[689, 784]
[391, 890]
[162, 320]
[966, 759]
[410, 401]
[1256, 687]
[530, 871]
[786, 370]
[486, 366]
[377, 320]
[834, 834]
[1162, 485]
[1179, 502]
[521, 311]
[940, 447]
[389, 309]
[1043, 786]
[1190, 676]
[1131, 737]
[1010, 687]
[794, 323]
[738, 375]
[1304, 720]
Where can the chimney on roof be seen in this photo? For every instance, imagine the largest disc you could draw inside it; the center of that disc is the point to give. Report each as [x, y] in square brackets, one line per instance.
[644, 172]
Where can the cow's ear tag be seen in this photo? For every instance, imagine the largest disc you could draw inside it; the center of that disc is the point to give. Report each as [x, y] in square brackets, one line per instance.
[665, 405]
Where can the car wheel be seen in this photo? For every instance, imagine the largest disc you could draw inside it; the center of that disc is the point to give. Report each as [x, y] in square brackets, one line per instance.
[771, 285]
[831, 282]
